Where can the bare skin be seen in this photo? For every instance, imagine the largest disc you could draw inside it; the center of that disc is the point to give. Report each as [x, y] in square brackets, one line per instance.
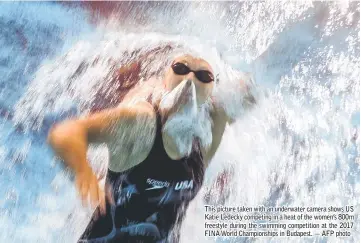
[128, 124]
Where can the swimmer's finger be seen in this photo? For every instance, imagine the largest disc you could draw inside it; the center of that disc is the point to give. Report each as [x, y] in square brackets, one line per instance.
[84, 193]
[102, 205]
[94, 195]
[79, 184]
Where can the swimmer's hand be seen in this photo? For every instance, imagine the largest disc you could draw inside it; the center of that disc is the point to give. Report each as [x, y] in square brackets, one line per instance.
[88, 188]
[70, 139]
[233, 102]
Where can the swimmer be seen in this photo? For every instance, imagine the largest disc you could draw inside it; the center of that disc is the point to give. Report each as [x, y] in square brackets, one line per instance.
[159, 148]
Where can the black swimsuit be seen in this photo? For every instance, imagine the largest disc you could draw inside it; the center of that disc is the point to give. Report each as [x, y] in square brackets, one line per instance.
[150, 198]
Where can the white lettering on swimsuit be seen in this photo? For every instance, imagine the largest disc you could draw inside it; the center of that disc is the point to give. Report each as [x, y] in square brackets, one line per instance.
[157, 184]
[180, 185]
[184, 185]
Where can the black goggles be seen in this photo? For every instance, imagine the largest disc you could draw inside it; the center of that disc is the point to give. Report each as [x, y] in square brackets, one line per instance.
[204, 76]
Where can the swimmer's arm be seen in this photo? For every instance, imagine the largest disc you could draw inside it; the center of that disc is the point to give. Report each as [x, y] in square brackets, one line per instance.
[249, 91]
[217, 193]
[248, 101]
[70, 139]
[220, 121]
[220, 117]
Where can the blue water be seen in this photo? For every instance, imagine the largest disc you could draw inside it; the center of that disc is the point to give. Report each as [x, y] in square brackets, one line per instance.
[299, 146]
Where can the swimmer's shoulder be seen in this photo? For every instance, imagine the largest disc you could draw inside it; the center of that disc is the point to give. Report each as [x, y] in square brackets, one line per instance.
[139, 106]
[147, 108]
[132, 142]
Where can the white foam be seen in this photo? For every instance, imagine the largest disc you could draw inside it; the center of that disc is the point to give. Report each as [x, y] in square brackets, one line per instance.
[294, 148]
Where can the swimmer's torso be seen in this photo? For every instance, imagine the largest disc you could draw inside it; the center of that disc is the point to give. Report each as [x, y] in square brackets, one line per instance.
[131, 143]
[149, 197]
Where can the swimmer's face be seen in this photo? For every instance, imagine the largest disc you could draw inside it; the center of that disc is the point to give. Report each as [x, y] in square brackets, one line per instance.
[188, 68]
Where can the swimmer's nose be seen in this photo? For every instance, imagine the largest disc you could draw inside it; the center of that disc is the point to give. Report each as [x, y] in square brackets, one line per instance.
[190, 76]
